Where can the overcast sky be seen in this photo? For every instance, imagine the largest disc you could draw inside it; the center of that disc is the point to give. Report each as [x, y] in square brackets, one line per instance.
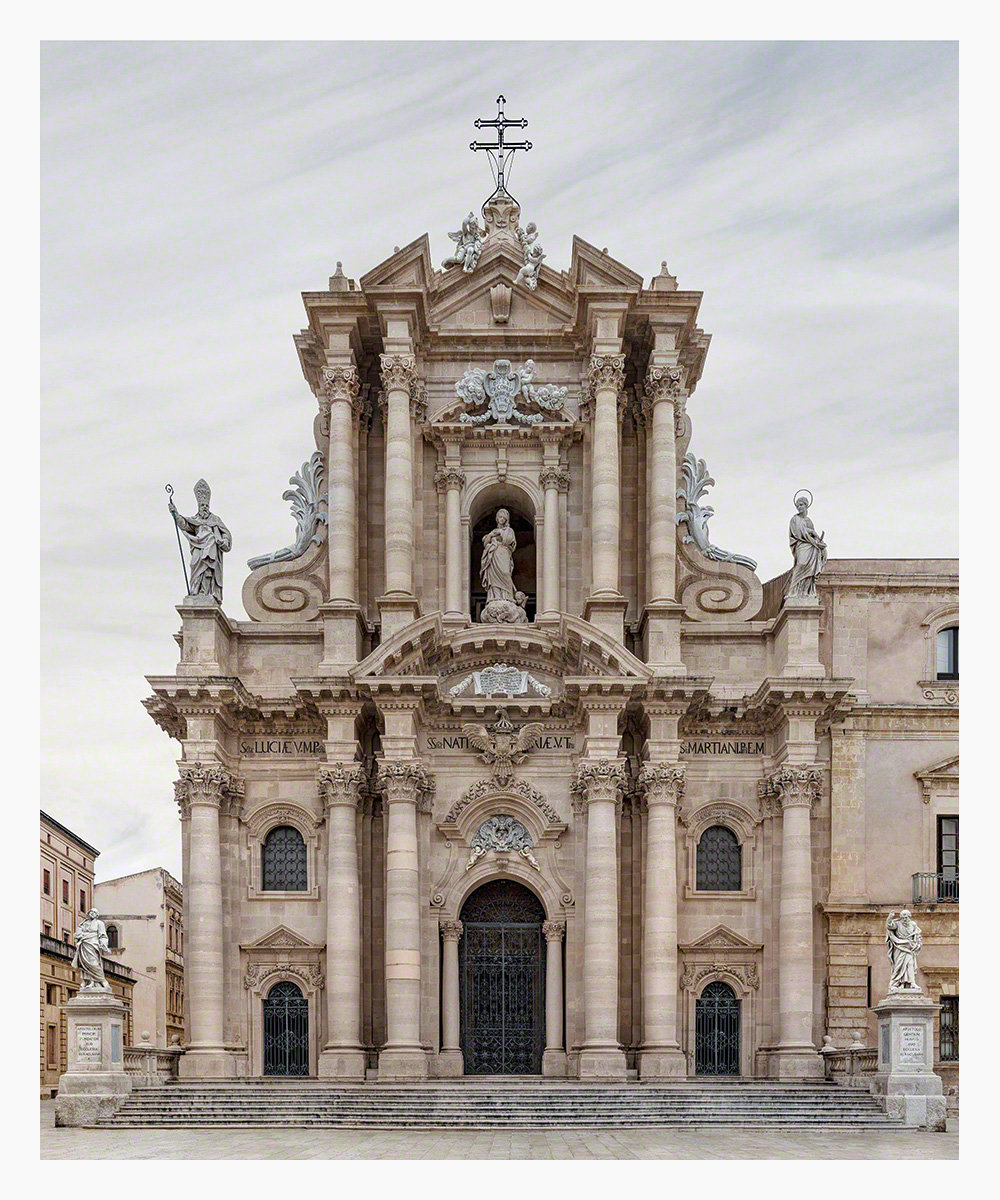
[190, 192]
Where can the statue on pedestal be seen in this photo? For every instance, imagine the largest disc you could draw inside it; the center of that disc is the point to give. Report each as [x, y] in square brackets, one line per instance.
[903, 941]
[504, 605]
[209, 539]
[91, 940]
[808, 550]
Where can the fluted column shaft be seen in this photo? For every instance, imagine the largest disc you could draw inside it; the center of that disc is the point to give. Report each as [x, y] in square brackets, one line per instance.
[339, 394]
[554, 932]
[450, 482]
[662, 385]
[607, 373]
[342, 1054]
[398, 375]
[451, 931]
[403, 782]
[599, 784]
[549, 480]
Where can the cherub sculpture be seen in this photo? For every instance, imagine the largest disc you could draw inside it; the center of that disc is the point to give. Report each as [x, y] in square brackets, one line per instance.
[468, 241]
[533, 255]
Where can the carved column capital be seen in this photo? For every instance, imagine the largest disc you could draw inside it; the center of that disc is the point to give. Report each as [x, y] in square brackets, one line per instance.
[447, 478]
[338, 383]
[399, 372]
[340, 784]
[664, 383]
[607, 371]
[212, 785]
[600, 779]
[790, 787]
[554, 931]
[552, 477]
[662, 783]
[451, 931]
[404, 780]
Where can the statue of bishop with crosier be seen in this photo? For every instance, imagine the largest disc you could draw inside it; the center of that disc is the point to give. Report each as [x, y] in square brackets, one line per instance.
[209, 539]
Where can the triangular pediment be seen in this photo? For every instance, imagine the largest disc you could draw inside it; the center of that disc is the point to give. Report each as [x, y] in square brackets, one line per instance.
[408, 268]
[944, 769]
[591, 268]
[721, 937]
[281, 938]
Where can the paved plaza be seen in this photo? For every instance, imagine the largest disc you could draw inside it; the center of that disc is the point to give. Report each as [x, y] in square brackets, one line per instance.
[436, 1143]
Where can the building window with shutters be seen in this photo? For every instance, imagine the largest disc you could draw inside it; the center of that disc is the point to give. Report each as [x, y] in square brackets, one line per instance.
[65, 891]
[47, 883]
[949, 1029]
[113, 940]
[51, 1046]
[947, 858]
[947, 653]
[719, 861]
[83, 901]
[283, 860]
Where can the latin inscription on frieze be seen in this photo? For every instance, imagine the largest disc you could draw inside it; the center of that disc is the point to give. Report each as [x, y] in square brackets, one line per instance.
[722, 747]
[282, 747]
[458, 741]
[88, 1044]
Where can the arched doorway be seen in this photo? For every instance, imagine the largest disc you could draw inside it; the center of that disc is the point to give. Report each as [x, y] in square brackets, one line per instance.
[286, 1031]
[717, 1031]
[502, 965]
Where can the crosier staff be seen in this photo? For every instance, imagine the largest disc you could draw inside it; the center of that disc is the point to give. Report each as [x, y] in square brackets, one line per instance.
[169, 489]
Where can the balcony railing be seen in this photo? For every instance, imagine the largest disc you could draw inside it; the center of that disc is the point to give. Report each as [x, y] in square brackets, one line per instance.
[933, 887]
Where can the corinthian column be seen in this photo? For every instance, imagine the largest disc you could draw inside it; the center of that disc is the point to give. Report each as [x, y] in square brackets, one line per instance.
[450, 1057]
[342, 1056]
[200, 792]
[660, 1056]
[339, 392]
[398, 378]
[794, 790]
[403, 1055]
[599, 783]
[607, 375]
[550, 479]
[449, 480]
[554, 1056]
[663, 389]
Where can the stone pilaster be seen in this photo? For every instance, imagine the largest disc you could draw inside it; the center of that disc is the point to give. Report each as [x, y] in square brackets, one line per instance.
[450, 1060]
[200, 792]
[598, 784]
[606, 605]
[554, 1055]
[660, 1056]
[794, 790]
[398, 606]
[342, 1057]
[403, 1056]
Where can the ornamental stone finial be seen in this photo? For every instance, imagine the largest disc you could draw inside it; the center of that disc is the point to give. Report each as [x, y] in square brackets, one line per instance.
[399, 372]
[662, 783]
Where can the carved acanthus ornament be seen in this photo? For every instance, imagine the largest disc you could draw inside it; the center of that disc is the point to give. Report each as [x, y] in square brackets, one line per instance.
[308, 505]
[664, 383]
[258, 973]
[553, 931]
[600, 779]
[451, 931]
[502, 834]
[790, 787]
[337, 383]
[404, 780]
[746, 973]
[662, 783]
[607, 371]
[212, 785]
[696, 482]
[499, 390]
[399, 372]
[552, 477]
[447, 478]
[517, 787]
[340, 783]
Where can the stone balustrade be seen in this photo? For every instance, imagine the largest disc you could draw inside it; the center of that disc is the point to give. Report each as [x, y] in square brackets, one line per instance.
[852, 1066]
[149, 1065]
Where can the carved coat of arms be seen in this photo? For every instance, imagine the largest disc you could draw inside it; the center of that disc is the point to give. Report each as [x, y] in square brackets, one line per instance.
[502, 745]
[499, 390]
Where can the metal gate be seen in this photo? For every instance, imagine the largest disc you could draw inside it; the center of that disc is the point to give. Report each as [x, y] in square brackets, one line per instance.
[717, 1031]
[286, 1031]
[502, 993]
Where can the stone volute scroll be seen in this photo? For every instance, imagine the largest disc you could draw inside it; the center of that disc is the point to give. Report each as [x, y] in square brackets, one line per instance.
[695, 517]
[308, 505]
[808, 550]
[208, 539]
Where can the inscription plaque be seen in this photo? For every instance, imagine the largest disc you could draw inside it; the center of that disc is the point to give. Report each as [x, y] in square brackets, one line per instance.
[116, 1043]
[912, 1051]
[88, 1044]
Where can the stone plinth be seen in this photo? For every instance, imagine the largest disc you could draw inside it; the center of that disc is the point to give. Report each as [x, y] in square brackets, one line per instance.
[95, 1084]
[905, 1078]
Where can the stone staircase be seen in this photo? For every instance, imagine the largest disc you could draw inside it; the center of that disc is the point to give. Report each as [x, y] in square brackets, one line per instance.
[492, 1104]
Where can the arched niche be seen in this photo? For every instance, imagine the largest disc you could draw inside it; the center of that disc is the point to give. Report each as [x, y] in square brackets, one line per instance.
[484, 504]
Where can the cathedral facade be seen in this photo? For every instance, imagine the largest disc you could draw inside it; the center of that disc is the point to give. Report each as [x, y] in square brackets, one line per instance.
[511, 770]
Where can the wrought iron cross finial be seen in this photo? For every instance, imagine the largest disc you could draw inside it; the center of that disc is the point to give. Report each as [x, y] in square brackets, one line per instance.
[500, 152]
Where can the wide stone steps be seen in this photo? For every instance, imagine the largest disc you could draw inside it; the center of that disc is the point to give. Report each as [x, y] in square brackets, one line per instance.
[478, 1105]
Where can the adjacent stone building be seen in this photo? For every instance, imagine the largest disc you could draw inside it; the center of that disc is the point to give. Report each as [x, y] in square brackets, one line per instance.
[511, 770]
[143, 914]
[67, 890]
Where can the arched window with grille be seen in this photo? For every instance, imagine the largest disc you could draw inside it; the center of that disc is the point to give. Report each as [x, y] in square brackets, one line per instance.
[720, 861]
[283, 860]
[112, 932]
